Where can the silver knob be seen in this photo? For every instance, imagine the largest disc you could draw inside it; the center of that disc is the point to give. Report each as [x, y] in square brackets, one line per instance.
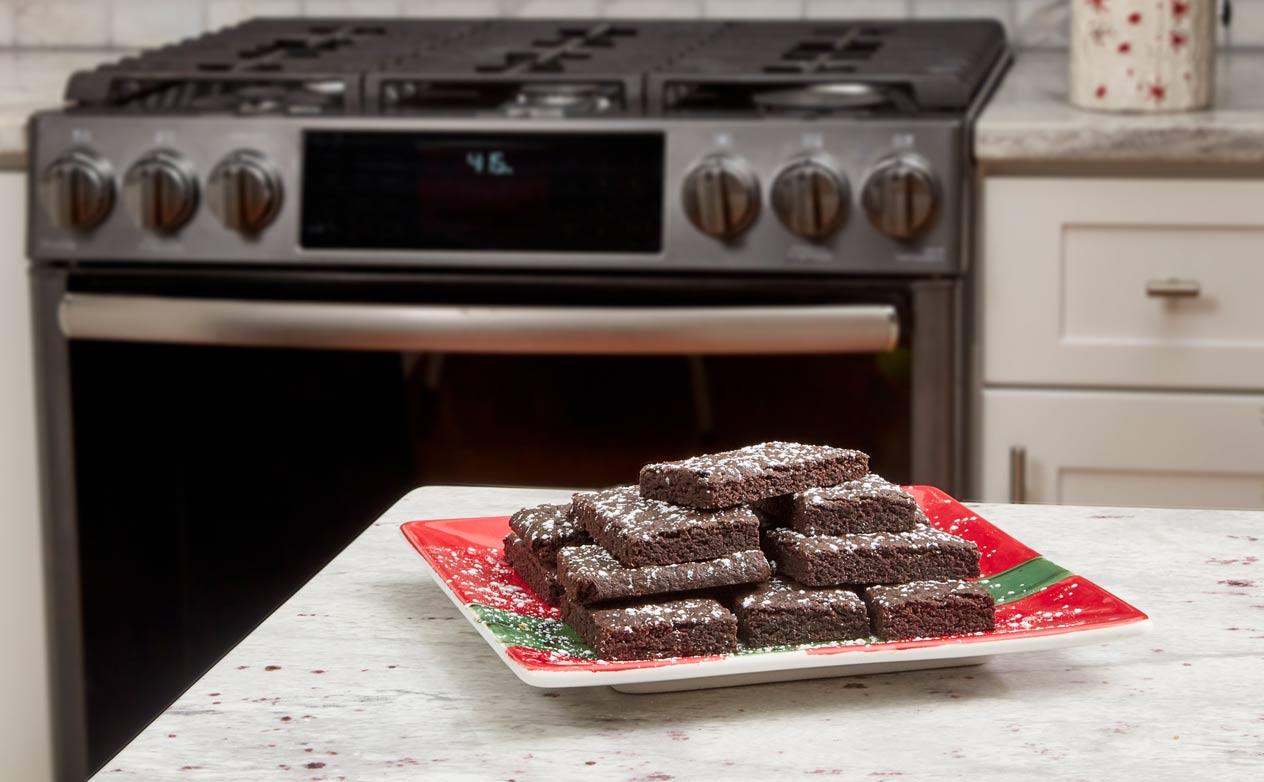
[244, 191]
[721, 196]
[77, 190]
[810, 198]
[901, 197]
[161, 192]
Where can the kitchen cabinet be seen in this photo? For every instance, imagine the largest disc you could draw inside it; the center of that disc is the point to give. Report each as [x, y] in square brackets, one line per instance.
[24, 717]
[1125, 447]
[1122, 341]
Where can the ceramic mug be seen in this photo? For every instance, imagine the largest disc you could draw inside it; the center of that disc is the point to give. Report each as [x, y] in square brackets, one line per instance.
[1143, 55]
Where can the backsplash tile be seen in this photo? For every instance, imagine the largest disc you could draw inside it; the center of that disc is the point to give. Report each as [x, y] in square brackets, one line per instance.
[1041, 24]
[350, 7]
[138, 23]
[1036, 24]
[752, 9]
[651, 9]
[61, 22]
[552, 8]
[858, 9]
[470, 8]
[221, 13]
[1001, 10]
[1248, 24]
[6, 23]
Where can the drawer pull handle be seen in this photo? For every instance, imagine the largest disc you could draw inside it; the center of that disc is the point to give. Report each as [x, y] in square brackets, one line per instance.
[1018, 474]
[1173, 289]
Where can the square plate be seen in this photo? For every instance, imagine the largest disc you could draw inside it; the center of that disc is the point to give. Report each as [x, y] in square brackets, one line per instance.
[1039, 605]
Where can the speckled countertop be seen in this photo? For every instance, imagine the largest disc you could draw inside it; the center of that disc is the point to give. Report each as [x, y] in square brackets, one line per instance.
[369, 673]
[34, 80]
[1030, 121]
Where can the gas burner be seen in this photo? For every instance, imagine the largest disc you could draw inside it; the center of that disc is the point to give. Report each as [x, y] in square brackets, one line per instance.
[821, 98]
[249, 99]
[545, 99]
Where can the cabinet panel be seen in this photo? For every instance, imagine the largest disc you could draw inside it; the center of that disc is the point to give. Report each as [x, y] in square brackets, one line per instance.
[1130, 283]
[25, 751]
[1126, 448]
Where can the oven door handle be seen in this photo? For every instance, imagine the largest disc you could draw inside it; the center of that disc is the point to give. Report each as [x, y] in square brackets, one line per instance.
[851, 328]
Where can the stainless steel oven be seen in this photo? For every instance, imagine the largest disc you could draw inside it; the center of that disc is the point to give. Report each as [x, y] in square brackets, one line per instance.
[270, 300]
[212, 437]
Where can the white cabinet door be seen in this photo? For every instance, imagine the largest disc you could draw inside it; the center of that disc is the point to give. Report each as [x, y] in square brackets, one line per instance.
[1123, 282]
[1121, 448]
[24, 719]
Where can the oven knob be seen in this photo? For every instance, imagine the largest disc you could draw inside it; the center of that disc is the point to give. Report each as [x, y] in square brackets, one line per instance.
[77, 191]
[161, 192]
[810, 198]
[901, 197]
[244, 191]
[721, 196]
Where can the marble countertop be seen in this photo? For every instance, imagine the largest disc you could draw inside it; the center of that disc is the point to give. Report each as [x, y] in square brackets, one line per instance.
[1030, 121]
[34, 80]
[369, 672]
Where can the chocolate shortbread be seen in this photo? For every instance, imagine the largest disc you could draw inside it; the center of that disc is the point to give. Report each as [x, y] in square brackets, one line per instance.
[748, 474]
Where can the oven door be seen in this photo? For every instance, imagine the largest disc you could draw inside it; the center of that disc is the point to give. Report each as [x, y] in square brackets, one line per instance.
[213, 438]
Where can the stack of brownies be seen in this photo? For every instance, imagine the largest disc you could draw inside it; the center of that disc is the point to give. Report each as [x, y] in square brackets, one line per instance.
[679, 565]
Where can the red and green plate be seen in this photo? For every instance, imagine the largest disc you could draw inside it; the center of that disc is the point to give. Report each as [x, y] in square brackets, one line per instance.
[1039, 605]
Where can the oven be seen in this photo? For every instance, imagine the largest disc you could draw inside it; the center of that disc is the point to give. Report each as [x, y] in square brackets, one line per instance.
[264, 311]
[212, 437]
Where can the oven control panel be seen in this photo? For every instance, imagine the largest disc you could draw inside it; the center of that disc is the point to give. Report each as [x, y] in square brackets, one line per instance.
[777, 194]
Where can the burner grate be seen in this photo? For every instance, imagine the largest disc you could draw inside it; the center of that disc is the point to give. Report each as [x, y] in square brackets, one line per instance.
[925, 66]
[538, 67]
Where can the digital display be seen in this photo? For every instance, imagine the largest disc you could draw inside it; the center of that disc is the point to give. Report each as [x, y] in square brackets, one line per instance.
[526, 192]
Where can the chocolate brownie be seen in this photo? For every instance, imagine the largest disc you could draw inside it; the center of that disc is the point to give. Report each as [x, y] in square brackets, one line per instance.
[647, 630]
[925, 609]
[783, 612]
[589, 574]
[540, 575]
[721, 480]
[641, 532]
[547, 528]
[870, 504]
[875, 558]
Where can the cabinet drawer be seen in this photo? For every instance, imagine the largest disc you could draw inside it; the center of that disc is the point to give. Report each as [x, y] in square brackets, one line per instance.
[1126, 448]
[1124, 282]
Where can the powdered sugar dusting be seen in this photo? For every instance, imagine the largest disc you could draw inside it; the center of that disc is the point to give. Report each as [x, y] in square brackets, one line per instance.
[737, 464]
[592, 569]
[894, 594]
[919, 540]
[547, 527]
[481, 575]
[624, 512]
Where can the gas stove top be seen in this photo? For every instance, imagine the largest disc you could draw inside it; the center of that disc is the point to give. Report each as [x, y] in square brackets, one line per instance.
[555, 68]
[792, 147]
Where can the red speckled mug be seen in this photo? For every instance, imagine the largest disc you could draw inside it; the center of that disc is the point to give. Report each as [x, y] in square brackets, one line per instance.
[1143, 55]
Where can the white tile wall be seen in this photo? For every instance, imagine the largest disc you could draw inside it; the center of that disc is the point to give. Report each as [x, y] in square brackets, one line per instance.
[453, 7]
[857, 9]
[61, 22]
[221, 13]
[155, 22]
[752, 9]
[86, 23]
[1041, 24]
[1001, 10]
[6, 23]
